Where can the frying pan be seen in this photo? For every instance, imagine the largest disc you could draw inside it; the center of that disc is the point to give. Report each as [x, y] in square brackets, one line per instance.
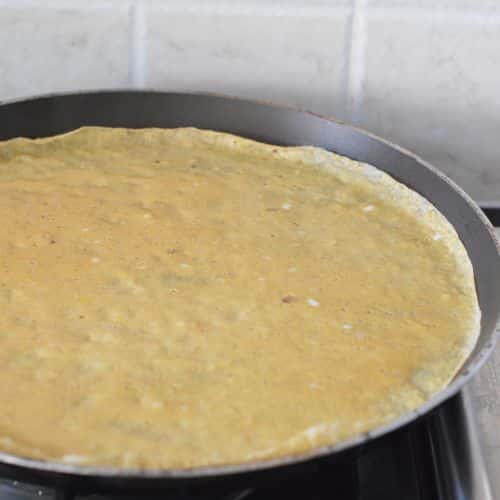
[49, 115]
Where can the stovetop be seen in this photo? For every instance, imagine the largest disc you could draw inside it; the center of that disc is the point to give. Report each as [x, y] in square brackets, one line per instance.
[453, 453]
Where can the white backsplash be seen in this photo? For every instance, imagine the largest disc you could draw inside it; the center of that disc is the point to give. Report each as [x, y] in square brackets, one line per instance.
[425, 74]
[52, 48]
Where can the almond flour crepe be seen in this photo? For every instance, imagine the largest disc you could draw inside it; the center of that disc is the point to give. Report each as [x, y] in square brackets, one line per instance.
[179, 298]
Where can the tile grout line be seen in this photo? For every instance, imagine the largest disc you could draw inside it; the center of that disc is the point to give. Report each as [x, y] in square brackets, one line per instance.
[138, 67]
[203, 7]
[356, 56]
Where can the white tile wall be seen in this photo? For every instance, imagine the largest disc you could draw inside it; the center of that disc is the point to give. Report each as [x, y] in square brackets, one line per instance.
[60, 48]
[423, 73]
[259, 56]
[432, 84]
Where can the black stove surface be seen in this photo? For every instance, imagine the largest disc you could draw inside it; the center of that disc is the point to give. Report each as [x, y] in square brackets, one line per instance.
[425, 460]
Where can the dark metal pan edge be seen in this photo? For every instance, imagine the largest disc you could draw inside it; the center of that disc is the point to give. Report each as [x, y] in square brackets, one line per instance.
[222, 470]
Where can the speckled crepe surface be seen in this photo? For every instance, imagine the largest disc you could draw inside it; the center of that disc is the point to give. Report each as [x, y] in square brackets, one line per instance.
[179, 298]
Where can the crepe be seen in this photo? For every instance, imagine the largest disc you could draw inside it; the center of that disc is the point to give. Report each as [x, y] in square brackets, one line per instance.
[180, 298]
